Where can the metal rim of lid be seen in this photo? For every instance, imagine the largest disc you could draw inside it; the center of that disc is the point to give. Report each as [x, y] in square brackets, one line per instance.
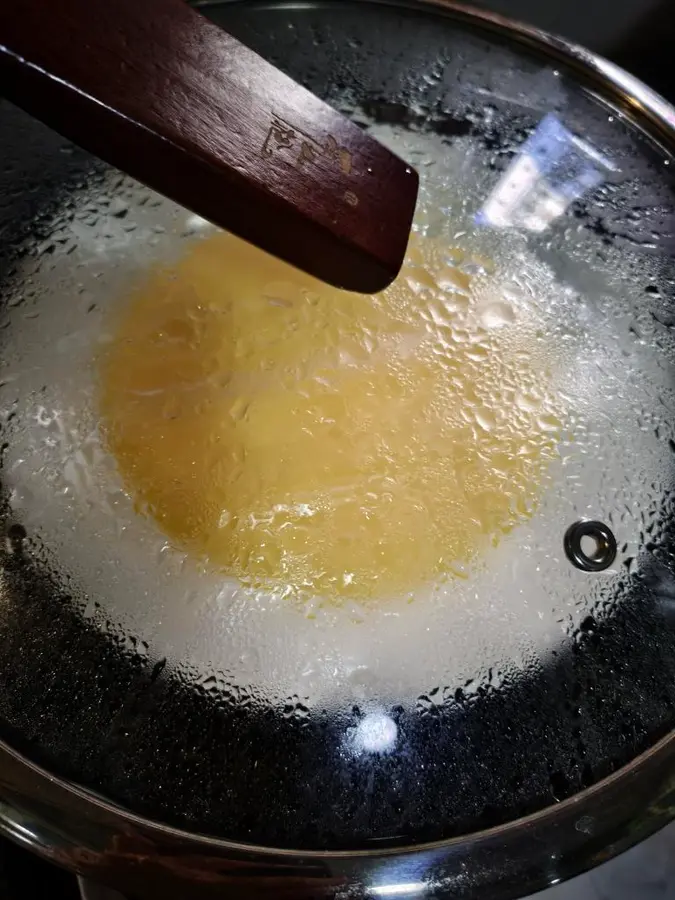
[79, 830]
[89, 890]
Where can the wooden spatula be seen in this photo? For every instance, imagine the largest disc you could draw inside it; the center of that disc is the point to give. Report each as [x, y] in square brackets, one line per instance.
[157, 90]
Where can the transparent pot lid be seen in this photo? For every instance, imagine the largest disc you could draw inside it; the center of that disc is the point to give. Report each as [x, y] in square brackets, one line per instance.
[303, 569]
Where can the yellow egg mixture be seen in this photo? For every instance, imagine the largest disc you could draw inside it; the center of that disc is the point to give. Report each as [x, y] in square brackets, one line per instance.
[318, 442]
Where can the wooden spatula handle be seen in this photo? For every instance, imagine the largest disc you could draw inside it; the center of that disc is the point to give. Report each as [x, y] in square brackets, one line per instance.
[159, 91]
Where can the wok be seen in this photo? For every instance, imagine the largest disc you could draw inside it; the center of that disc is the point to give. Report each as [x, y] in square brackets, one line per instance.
[162, 729]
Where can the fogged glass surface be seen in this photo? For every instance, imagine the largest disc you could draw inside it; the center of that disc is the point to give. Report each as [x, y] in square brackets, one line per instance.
[293, 567]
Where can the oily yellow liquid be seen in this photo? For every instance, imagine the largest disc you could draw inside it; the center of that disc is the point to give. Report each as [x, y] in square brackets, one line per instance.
[318, 442]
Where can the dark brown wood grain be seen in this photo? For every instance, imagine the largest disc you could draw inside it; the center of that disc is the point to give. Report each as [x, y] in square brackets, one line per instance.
[165, 95]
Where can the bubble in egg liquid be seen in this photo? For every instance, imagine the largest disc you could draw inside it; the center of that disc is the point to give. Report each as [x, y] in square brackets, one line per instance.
[324, 444]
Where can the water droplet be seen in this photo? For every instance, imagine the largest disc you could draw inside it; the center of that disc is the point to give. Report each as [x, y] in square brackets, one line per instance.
[16, 535]
[496, 315]
[118, 208]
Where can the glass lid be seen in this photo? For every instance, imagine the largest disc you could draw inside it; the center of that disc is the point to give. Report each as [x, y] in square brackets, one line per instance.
[301, 568]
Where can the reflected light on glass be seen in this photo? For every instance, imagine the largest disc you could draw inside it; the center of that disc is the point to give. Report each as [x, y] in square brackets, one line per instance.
[553, 168]
[407, 889]
[375, 733]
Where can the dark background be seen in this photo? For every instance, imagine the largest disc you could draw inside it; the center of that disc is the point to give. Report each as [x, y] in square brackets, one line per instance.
[637, 34]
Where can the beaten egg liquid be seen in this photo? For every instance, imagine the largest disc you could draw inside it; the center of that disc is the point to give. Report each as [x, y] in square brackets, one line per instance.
[321, 443]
